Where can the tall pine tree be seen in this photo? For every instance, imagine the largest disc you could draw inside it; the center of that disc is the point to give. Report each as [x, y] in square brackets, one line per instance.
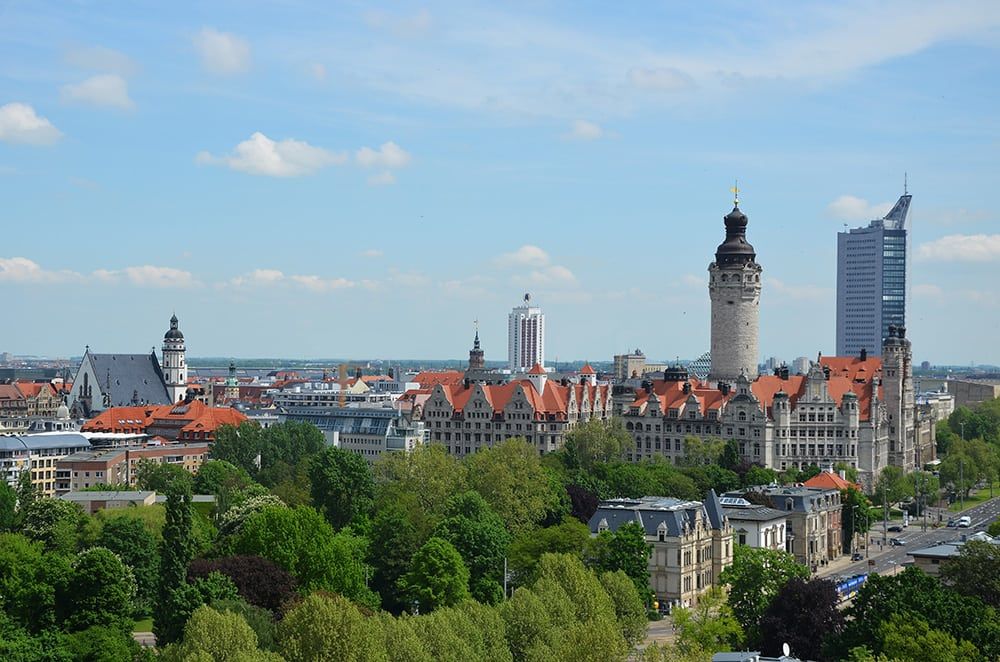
[176, 552]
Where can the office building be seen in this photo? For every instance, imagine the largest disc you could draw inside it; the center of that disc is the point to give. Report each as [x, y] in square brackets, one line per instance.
[525, 337]
[871, 281]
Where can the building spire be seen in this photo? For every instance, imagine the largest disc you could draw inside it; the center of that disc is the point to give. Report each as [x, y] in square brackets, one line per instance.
[905, 191]
[736, 193]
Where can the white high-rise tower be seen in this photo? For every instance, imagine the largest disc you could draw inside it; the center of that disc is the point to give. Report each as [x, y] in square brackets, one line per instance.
[525, 337]
[734, 288]
[175, 370]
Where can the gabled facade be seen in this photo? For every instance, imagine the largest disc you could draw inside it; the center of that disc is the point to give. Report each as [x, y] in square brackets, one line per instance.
[472, 415]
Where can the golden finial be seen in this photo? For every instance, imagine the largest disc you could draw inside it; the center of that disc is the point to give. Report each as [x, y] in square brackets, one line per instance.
[736, 193]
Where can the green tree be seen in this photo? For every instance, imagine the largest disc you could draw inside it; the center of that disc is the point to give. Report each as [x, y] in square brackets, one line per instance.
[596, 441]
[708, 626]
[959, 471]
[301, 541]
[803, 614]
[241, 446]
[101, 644]
[903, 637]
[630, 612]
[290, 443]
[103, 591]
[27, 493]
[329, 628]
[393, 542]
[342, 486]
[420, 482]
[627, 550]
[511, 479]
[437, 577]
[217, 636]
[754, 579]
[975, 571]
[8, 507]
[892, 485]
[478, 534]
[758, 475]
[994, 529]
[54, 523]
[33, 584]
[220, 478]
[159, 476]
[176, 552]
[136, 546]
[570, 537]
[849, 471]
[698, 451]
[855, 516]
[528, 626]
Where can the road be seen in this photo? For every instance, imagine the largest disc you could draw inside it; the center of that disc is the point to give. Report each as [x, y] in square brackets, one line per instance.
[888, 559]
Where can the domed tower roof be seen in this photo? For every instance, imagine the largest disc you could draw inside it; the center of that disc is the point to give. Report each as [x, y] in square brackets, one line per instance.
[735, 250]
[174, 333]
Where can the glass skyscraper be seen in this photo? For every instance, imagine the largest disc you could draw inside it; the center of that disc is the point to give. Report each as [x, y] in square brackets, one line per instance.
[871, 282]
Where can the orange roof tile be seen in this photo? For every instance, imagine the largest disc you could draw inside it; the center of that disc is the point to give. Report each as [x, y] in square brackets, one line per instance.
[432, 377]
[587, 370]
[536, 369]
[828, 480]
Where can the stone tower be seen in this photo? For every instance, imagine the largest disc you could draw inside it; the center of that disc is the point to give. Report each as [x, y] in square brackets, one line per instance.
[734, 288]
[897, 389]
[477, 359]
[175, 372]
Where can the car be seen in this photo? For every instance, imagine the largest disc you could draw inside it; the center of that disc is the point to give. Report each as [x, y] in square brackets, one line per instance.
[964, 522]
[896, 542]
[857, 556]
[895, 528]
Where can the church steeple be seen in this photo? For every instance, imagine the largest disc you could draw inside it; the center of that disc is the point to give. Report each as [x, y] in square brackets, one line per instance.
[477, 359]
[174, 363]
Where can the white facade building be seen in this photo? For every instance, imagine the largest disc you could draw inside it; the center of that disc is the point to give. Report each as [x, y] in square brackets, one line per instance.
[175, 372]
[755, 526]
[525, 337]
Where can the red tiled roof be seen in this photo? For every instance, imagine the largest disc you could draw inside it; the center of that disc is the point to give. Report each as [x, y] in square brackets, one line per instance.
[828, 480]
[587, 370]
[852, 367]
[32, 389]
[432, 377]
[554, 399]
[536, 369]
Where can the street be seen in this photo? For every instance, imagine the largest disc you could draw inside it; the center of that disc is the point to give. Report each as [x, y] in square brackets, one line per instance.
[888, 558]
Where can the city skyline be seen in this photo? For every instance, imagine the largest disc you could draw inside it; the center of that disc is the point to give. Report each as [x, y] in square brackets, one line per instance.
[330, 157]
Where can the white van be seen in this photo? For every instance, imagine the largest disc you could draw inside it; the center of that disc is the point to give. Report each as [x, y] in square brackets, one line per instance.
[964, 522]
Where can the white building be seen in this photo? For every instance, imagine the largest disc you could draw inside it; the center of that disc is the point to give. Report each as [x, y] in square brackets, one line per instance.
[525, 337]
[37, 454]
[755, 526]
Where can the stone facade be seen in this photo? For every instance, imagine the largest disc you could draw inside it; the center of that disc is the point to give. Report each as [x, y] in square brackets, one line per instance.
[692, 542]
[469, 415]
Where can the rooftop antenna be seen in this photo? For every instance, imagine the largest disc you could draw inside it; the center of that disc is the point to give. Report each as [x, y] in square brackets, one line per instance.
[905, 192]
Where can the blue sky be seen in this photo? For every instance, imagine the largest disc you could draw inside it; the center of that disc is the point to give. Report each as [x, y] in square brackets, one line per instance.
[344, 179]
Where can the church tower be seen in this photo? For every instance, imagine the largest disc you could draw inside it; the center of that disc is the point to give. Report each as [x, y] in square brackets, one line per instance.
[477, 360]
[232, 391]
[897, 386]
[734, 288]
[175, 372]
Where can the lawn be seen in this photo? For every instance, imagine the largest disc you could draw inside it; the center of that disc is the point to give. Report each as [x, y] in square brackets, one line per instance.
[145, 625]
[973, 500]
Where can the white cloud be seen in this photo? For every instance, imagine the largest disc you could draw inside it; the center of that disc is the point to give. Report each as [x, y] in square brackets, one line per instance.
[853, 208]
[20, 124]
[222, 52]
[551, 276]
[318, 71]
[318, 284]
[153, 276]
[389, 155]
[404, 26]
[383, 178]
[928, 291]
[100, 58]
[23, 270]
[526, 255]
[272, 277]
[962, 248]
[660, 79]
[259, 155]
[371, 252]
[694, 281]
[584, 130]
[107, 90]
[805, 292]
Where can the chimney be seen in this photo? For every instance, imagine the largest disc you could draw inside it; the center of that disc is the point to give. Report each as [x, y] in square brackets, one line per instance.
[826, 372]
[467, 382]
[564, 381]
[687, 387]
[724, 387]
[843, 474]
[864, 354]
[784, 372]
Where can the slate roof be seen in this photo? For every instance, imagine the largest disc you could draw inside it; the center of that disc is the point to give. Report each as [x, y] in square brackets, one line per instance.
[652, 512]
[131, 374]
[43, 441]
[755, 514]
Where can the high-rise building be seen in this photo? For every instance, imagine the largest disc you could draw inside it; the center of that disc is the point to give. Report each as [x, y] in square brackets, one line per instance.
[525, 337]
[871, 281]
[734, 288]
